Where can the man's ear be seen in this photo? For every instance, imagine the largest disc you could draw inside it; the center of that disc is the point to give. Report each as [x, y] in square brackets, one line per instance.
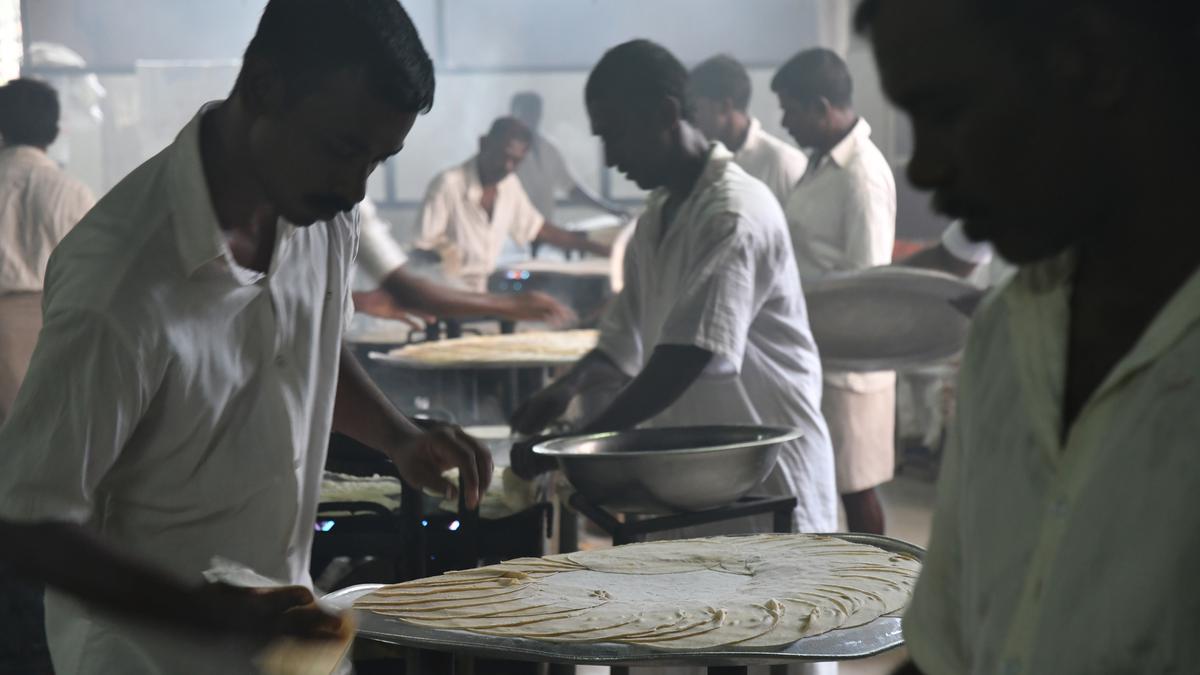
[262, 88]
[669, 112]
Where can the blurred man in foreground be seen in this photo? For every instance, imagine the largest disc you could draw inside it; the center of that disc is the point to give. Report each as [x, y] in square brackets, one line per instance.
[1065, 534]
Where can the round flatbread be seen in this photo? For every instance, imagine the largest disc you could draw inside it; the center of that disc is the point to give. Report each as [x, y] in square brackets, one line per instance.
[743, 592]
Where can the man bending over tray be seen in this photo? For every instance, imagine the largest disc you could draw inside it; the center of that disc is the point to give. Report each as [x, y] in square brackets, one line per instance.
[711, 324]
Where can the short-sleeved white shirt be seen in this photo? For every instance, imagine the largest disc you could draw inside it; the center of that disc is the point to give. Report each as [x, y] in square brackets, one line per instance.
[1075, 555]
[177, 405]
[453, 224]
[723, 278]
[842, 216]
[772, 160]
[39, 204]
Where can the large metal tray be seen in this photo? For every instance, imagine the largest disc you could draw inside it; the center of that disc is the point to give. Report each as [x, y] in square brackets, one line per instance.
[888, 318]
[876, 637]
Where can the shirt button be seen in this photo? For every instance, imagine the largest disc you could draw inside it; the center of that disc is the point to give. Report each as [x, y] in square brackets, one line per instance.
[1012, 667]
[1058, 507]
[280, 361]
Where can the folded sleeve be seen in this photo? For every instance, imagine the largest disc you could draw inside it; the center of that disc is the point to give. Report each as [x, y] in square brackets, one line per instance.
[869, 222]
[81, 401]
[719, 299]
[379, 254]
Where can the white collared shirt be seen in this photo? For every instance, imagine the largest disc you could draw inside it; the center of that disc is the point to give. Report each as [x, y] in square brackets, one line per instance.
[544, 174]
[453, 224]
[842, 217]
[723, 278]
[772, 160]
[177, 405]
[1066, 557]
[39, 204]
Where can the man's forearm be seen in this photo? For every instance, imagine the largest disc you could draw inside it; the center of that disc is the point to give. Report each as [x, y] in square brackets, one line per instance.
[571, 241]
[422, 295]
[583, 194]
[672, 369]
[362, 412]
[71, 559]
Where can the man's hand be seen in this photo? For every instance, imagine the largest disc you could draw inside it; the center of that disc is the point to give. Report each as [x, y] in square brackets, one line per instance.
[542, 408]
[265, 614]
[423, 458]
[538, 306]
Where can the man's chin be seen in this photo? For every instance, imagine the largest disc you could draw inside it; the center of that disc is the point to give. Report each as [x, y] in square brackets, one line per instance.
[1019, 247]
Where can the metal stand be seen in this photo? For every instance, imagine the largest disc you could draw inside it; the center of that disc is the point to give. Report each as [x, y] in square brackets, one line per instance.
[631, 530]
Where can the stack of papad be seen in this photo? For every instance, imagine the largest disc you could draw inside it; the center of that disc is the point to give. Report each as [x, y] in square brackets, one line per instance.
[753, 591]
[529, 347]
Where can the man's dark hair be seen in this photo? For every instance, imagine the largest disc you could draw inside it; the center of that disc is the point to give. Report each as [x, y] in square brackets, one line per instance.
[814, 74]
[722, 77]
[28, 113]
[527, 99]
[303, 38]
[640, 72]
[506, 129]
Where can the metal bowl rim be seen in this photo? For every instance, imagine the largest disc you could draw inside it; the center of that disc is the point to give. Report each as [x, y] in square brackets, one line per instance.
[778, 436]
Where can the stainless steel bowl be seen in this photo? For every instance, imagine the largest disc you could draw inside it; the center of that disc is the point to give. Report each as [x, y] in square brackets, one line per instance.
[671, 469]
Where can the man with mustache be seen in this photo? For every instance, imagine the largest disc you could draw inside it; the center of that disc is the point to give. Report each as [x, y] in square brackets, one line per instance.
[1065, 534]
[180, 399]
[470, 210]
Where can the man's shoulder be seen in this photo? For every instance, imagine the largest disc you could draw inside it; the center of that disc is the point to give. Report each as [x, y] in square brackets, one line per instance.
[781, 149]
[117, 237]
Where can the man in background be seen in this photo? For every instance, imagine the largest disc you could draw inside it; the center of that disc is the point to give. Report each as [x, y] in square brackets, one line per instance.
[39, 204]
[401, 293]
[842, 217]
[721, 90]
[470, 210]
[545, 174]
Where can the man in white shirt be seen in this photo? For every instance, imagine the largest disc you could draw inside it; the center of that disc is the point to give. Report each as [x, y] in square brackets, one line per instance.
[711, 324]
[179, 403]
[1065, 533]
[401, 293]
[470, 210]
[842, 217]
[721, 90]
[545, 173]
[39, 204]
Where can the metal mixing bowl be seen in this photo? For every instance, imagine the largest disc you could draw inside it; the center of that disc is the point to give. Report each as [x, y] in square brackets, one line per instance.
[671, 469]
